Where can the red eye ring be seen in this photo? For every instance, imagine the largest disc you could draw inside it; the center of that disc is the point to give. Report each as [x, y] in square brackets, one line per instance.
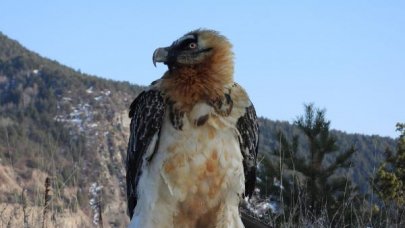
[192, 45]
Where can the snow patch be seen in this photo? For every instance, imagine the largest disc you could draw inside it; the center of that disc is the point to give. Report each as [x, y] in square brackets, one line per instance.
[106, 92]
[66, 99]
[90, 90]
[95, 201]
[93, 125]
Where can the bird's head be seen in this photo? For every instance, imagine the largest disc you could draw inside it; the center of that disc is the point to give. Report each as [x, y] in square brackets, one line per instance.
[202, 49]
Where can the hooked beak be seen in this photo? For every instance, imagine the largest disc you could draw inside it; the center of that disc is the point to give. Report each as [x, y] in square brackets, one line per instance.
[160, 55]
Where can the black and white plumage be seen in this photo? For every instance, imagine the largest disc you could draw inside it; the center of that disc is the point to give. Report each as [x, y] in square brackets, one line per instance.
[248, 128]
[193, 139]
[146, 112]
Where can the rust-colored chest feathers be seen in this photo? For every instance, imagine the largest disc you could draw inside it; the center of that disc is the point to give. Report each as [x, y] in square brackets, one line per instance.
[190, 85]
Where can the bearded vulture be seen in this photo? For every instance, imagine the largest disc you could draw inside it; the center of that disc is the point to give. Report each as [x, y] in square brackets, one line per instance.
[193, 139]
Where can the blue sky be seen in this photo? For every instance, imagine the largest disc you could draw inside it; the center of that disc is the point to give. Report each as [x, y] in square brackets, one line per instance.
[345, 56]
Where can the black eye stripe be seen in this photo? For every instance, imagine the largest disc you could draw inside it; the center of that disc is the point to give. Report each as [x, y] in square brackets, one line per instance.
[185, 43]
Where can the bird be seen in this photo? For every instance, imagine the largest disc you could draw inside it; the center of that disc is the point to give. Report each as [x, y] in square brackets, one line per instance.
[193, 140]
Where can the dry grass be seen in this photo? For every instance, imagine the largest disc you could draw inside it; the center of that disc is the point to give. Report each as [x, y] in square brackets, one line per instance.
[354, 211]
[350, 214]
[12, 215]
[24, 212]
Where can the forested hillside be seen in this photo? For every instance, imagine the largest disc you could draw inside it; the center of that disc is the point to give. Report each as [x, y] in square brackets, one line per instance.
[369, 149]
[71, 127]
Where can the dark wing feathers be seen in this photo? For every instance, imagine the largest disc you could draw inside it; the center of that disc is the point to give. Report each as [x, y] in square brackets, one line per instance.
[248, 128]
[146, 112]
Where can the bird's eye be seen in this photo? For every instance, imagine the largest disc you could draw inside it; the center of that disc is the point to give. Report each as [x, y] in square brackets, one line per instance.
[192, 45]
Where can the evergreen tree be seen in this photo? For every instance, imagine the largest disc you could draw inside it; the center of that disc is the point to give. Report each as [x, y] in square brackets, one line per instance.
[310, 180]
[390, 178]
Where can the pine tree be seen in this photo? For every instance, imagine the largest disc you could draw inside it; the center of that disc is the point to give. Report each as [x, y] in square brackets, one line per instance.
[306, 173]
[390, 177]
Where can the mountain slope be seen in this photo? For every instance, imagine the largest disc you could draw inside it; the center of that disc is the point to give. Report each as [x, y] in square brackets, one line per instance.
[66, 125]
[59, 123]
